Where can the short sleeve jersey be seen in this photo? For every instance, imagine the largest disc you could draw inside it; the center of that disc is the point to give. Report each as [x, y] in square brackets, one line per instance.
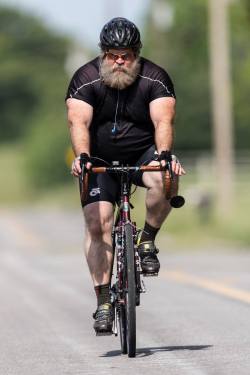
[121, 128]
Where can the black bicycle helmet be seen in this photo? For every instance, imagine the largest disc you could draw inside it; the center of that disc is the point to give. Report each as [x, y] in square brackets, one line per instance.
[120, 33]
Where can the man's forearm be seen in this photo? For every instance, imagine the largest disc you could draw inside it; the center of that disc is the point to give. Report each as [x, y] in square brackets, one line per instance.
[164, 136]
[79, 138]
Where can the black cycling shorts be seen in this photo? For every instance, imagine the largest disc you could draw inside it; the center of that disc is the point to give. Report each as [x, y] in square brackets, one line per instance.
[106, 187]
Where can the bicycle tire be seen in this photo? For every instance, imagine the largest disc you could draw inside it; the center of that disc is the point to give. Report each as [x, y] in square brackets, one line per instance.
[123, 329]
[130, 297]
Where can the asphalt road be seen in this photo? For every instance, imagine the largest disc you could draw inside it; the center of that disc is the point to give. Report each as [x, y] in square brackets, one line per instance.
[194, 318]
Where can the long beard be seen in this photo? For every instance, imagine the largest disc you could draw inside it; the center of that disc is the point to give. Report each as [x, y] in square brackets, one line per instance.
[119, 77]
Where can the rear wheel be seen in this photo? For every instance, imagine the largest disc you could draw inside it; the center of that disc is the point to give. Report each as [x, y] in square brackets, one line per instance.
[130, 296]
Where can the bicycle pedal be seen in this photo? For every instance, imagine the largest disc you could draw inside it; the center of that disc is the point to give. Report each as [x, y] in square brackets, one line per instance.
[154, 274]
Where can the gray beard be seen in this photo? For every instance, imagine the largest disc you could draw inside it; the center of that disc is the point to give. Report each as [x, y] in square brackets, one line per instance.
[122, 78]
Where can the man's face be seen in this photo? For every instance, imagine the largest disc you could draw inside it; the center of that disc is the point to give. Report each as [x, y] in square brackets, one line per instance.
[119, 68]
[119, 58]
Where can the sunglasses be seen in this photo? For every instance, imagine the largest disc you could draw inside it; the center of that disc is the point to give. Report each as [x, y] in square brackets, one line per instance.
[124, 56]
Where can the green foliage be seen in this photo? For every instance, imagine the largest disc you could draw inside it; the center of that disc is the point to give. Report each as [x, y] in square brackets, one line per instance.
[182, 48]
[240, 33]
[18, 102]
[46, 147]
[33, 84]
[28, 52]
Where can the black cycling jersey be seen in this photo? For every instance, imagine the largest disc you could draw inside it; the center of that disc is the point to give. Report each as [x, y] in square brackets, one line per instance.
[121, 127]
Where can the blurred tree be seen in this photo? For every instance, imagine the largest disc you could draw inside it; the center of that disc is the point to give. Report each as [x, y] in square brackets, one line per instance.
[33, 83]
[47, 144]
[176, 37]
[30, 60]
[246, 7]
[182, 48]
[240, 20]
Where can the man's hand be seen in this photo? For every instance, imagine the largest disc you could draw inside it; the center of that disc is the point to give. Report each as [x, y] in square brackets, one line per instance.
[177, 167]
[82, 160]
[166, 157]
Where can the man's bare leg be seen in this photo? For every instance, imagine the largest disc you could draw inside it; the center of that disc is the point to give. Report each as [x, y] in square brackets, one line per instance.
[157, 210]
[99, 255]
[157, 207]
[98, 248]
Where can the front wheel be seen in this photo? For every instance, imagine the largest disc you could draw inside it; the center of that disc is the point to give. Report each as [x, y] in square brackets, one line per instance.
[130, 296]
[123, 328]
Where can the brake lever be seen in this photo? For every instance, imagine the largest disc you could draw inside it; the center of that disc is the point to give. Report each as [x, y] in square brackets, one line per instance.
[82, 174]
[170, 170]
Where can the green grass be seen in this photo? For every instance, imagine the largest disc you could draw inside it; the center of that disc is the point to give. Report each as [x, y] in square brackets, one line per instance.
[193, 226]
[184, 226]
[187, 227]
[15, 189]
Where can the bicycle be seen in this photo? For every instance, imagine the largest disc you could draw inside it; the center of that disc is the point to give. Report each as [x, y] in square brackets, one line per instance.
[127, 285]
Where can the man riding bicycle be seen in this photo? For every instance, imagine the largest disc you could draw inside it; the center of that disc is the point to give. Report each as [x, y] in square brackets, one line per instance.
[121, 107]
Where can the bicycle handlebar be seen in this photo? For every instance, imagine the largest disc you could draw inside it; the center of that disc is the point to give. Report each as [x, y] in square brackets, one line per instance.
[113, 169]
[175, 201]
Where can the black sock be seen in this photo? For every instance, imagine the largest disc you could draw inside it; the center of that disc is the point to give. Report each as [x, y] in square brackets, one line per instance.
[102, 294]
[149, 233]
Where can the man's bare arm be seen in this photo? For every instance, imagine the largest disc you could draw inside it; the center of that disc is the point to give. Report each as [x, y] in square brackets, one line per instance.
[162, 112]
[80, 115]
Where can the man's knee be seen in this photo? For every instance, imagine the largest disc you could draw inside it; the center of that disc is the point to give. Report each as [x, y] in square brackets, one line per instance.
[98, 221]
[98, 227]
[153, 180]
[157, 181]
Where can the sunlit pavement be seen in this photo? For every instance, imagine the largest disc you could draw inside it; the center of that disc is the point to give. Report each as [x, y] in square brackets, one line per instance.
[194, 318]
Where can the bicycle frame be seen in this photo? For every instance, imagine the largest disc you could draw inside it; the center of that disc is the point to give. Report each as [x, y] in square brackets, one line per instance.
[125, 291]
[124, 205]
[122, 217]
[127, 285]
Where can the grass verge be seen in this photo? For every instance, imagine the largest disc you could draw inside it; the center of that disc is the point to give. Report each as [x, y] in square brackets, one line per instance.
[195, 225]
